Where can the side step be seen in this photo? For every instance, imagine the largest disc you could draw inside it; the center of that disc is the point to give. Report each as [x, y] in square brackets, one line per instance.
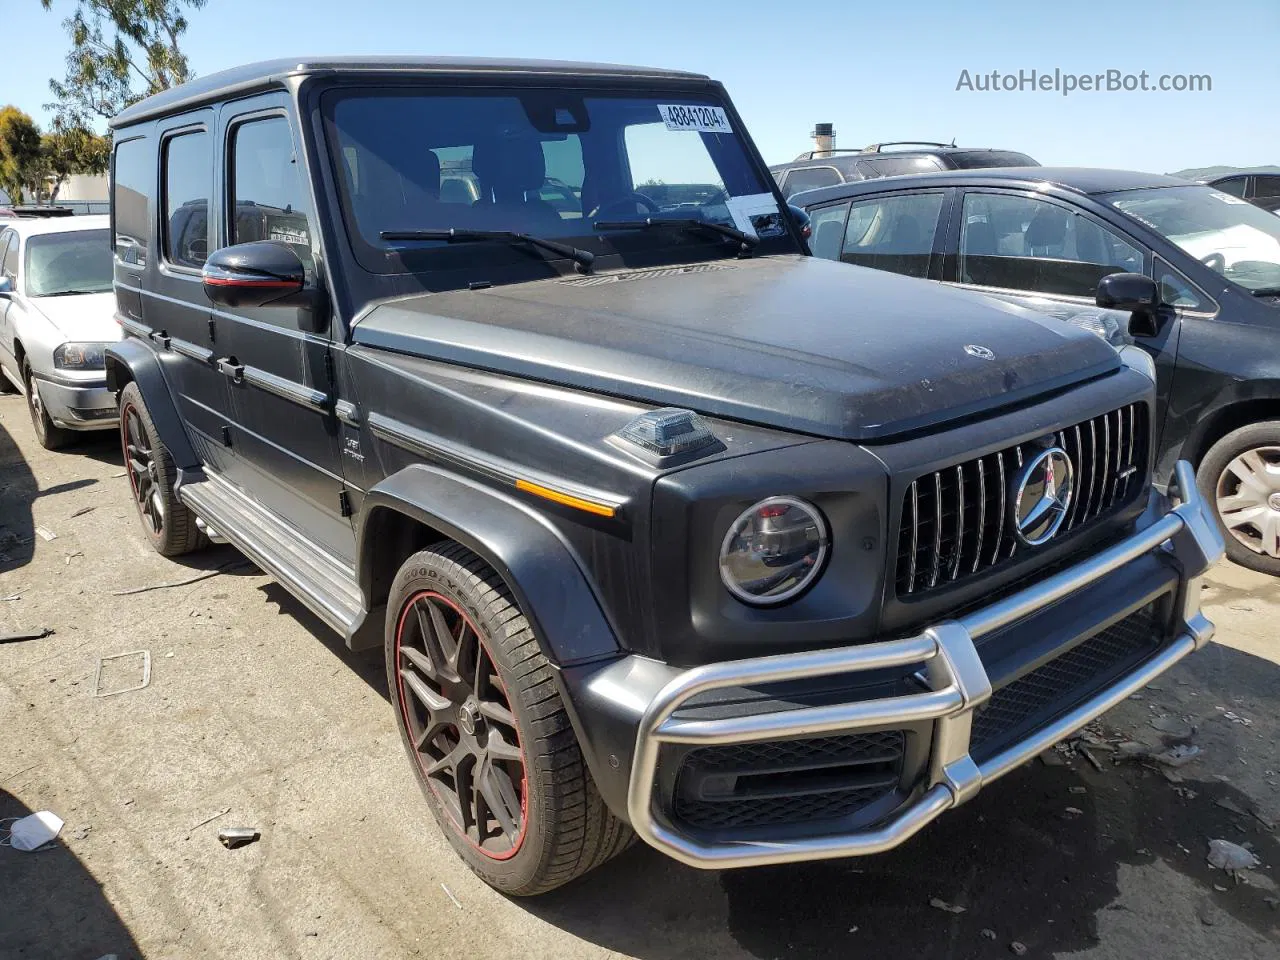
[326, 585]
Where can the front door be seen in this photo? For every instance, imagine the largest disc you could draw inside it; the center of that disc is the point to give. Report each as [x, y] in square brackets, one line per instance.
[277, 359]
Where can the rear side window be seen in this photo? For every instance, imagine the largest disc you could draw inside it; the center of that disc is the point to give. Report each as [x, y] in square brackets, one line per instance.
[898, 166]
[1234, 186]
[972, 159]
[188, 187]
[893, 233]
[809, 178]
[134, 179]
[9, 255]
[1266, 188]
[267, 197]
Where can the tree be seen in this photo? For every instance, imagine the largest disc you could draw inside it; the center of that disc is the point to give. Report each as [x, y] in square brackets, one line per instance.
[72, 150]
[121, 51]
[20, 154]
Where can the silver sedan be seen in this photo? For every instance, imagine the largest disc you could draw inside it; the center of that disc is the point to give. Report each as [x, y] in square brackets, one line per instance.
[56, 317]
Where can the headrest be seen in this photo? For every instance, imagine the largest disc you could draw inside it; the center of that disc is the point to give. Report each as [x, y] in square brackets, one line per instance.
[509, 165]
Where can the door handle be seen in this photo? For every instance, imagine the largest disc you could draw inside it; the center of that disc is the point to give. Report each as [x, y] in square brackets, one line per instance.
[229, 368]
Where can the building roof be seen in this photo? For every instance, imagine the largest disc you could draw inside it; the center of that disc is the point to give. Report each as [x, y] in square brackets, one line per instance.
[272, 73]
[1087, 180]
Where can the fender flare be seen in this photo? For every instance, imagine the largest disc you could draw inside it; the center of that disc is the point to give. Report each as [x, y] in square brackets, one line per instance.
[542, 571]
[130, 361]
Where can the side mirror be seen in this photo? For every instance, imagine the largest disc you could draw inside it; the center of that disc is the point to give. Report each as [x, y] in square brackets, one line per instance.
[1135, 293]
[6, 286]
[255, 274]
[801, 217]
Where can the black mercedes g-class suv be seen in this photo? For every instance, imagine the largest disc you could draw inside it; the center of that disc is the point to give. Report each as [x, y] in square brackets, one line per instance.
[665, 526]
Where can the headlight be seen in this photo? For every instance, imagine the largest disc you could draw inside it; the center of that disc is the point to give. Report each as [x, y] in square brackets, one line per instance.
[774, 550]
[80, 356]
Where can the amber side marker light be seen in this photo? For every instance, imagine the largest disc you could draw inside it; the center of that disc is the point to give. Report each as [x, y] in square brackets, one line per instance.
[588, 506]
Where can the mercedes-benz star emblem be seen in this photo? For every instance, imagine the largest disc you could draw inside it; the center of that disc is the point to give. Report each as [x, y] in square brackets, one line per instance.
[979, 351]
[1042, 492]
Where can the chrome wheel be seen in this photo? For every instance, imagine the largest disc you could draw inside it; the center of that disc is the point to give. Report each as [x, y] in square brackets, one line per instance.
[1248, 499]
[460, 724]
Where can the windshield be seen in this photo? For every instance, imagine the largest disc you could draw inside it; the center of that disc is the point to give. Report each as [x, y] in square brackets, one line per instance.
[60, 264]
[550, 163]
[1226, 234]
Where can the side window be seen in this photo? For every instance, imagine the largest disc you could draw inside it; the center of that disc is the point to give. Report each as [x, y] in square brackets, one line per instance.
[267, 197]
[9, 255]
[134, 177]
[1177, 291]
[188, 188]
[827, 230]
[893, 233]
[1025, 243]
[1266, 188]
[1234, 186]
[809, 178]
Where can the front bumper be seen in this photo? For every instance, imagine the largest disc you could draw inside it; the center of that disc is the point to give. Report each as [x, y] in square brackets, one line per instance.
[79, 405]
[954, 685]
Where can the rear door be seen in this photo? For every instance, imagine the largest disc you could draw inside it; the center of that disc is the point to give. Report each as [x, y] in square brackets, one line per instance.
[277, 359]
[900, 231]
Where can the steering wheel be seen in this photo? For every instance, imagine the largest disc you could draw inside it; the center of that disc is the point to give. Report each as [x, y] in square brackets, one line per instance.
[624, 206]
[1215, 261]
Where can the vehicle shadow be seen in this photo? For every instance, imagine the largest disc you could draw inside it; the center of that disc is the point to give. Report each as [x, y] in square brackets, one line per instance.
[17, 491]
[1030, 860]
[52, 907]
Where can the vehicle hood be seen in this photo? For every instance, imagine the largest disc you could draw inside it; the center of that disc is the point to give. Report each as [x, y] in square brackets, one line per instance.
[82, 318]
[797, 343]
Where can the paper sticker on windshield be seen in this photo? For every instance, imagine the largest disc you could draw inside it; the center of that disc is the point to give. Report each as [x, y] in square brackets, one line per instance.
[1226, 197]
[694, 116]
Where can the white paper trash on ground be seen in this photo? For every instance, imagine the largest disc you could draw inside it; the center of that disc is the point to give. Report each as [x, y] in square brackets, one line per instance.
[34, 831]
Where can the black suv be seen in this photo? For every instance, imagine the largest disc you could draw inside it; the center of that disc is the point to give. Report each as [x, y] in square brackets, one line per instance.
[1045, 237]
[1261, 189]
[666, 528]
[812, 170]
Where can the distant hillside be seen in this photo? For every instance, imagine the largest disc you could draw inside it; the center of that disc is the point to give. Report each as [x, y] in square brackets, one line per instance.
[1212, 173]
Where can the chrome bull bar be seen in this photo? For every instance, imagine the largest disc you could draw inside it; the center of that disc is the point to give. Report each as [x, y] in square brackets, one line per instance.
[957, 685]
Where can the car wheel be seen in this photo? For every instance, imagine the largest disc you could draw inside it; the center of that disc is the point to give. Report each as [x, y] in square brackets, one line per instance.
[1240, 476]
[6, 385]
[484, 726]
[167, 522]
[51, 437]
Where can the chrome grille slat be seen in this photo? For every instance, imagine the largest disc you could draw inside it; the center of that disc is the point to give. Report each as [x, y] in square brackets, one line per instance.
[959, 547]
[980, 524]
[1013, 541]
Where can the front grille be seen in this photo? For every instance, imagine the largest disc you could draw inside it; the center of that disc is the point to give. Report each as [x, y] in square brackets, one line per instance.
[956, 521]
[1046, 693]
[787, 781]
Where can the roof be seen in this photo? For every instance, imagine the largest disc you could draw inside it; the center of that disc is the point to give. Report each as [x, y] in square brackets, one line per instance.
[843, 157]
[238, 81]
[31, 227]
[1087, 180]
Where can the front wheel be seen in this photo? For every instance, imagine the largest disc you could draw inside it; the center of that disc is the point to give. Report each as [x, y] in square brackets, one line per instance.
[1240, 476]
[482, 720]
[50, 435]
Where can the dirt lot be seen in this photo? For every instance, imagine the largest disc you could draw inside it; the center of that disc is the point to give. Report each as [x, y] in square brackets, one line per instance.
[257, 716]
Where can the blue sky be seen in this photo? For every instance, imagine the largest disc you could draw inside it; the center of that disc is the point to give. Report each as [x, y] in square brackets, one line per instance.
[877, 71]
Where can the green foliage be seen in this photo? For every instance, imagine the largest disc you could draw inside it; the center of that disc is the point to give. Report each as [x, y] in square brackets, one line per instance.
[121, 51]
[20, 154]
[71, 150]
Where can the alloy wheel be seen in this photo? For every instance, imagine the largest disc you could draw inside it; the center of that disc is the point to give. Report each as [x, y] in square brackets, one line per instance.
[140, 463]
[460, 724]
[1248, 499]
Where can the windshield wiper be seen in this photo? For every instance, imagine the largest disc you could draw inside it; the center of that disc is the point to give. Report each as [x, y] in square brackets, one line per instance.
[1266, 292]
[746, 240]
[70, 293]
[584, 258]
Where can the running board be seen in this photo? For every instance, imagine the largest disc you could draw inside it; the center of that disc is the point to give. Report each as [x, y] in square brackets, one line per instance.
[323, 583]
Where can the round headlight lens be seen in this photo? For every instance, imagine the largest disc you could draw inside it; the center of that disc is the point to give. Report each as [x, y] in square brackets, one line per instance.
[774, 550]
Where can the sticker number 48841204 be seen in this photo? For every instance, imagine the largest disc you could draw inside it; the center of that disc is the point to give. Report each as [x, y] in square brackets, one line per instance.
[694, 116]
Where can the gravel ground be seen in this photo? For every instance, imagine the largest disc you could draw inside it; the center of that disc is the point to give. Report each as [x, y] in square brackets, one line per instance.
[257, 716]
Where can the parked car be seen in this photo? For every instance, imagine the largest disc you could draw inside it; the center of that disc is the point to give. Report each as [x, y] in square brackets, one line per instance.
[1260, 189]
[813, 169]
[665, 528]
[57, 314]
[1045, 237]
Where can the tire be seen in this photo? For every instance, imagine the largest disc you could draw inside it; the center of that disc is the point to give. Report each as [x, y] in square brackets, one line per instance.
[51, 437]
[166, 521]
[1240, 476]
[6, 385]
[557, 827]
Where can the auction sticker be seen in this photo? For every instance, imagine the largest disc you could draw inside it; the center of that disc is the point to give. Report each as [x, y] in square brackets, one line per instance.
[703, 119]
